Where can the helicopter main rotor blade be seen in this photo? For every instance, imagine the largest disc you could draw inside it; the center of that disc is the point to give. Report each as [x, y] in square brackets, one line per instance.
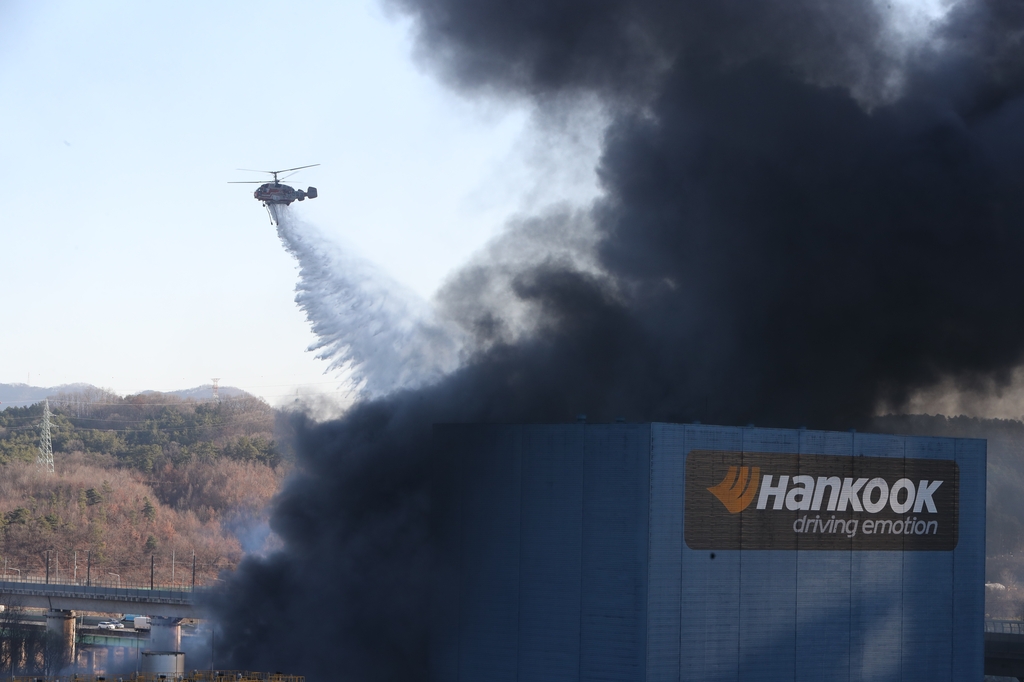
[246, 182]
[285, 170]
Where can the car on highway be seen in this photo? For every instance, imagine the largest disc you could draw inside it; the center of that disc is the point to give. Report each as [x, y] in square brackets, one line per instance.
[111, 625]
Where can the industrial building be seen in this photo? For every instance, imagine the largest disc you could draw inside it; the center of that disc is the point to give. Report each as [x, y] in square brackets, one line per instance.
[691, 552]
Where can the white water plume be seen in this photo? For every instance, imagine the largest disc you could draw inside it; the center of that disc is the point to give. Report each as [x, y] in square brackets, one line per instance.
[383, 335]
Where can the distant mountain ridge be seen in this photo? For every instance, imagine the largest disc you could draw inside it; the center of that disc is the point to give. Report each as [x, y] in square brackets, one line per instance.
[21, 395]
[204, 392]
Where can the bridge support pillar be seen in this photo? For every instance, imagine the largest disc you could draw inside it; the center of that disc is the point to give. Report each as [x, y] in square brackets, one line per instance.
[165, 634]
[60, 639]
[86, 661]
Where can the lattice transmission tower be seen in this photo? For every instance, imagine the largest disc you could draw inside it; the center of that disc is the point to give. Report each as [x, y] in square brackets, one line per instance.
[45, 459]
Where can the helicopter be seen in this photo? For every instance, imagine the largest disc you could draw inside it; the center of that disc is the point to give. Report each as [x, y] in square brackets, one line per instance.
[274, 192]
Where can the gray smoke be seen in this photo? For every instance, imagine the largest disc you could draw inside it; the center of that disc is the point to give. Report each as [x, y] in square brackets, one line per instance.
[806, 213]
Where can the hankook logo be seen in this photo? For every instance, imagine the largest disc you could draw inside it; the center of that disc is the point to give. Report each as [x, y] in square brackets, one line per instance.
[737, 489]
[820, 502]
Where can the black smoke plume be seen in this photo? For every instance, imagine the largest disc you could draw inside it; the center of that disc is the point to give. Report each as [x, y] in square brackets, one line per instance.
[805, 214]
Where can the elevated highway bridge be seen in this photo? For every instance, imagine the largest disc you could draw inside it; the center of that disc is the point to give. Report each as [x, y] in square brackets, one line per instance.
[157, 600]
[166, 605]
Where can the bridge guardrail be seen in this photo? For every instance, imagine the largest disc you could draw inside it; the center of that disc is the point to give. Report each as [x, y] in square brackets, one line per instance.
[159, 594]
[1005, 627]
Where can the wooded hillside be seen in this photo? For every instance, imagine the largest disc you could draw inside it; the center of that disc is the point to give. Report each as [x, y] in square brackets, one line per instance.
[141, 478]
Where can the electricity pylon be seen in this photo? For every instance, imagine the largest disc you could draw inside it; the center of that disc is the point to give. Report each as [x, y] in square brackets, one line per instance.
[44, 461]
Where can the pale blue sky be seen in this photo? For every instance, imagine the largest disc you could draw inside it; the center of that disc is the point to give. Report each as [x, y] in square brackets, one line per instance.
[127, 261]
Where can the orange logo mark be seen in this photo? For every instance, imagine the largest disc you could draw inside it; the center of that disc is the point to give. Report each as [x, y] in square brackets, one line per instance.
[737, 489]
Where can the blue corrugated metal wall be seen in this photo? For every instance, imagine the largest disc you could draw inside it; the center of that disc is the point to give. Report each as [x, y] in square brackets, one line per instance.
[616, 484]
[489, 584]
[969, 560]
[543, 552]
[552, 558]
[562, 558]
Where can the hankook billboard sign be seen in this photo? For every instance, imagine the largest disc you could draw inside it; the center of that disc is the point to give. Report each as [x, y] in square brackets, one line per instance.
[744, 500]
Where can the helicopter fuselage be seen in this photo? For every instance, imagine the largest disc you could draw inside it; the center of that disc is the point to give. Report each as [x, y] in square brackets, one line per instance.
[277, 193]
